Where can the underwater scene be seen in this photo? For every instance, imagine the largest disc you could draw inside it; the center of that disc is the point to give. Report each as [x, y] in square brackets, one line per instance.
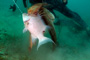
[44, 29]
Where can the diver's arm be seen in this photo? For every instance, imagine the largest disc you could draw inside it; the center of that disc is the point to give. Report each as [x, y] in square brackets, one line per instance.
[71, 14]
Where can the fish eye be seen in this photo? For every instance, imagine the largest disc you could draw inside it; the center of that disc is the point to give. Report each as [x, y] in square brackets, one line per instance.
[27, 23]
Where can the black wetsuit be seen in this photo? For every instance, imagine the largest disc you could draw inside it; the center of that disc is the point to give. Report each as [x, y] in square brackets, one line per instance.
[61, 7]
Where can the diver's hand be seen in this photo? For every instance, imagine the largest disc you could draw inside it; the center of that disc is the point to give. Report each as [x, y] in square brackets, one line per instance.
[64, 1]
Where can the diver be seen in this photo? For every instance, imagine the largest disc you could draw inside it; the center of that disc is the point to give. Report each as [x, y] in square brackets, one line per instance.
[60, 5]
[13, 7]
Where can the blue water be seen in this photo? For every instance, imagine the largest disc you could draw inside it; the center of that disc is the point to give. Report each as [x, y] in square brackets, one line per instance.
[73, 44]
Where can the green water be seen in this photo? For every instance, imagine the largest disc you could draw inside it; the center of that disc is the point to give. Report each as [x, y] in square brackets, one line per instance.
[73, 44]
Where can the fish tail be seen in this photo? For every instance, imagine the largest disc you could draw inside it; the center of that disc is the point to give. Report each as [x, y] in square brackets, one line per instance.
[43, 41]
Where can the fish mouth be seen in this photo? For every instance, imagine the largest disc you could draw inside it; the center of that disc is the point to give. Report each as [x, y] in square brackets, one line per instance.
[26, 18]
[25, 14]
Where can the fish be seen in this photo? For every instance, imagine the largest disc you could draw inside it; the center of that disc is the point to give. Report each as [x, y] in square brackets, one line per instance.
[47, 16]
[36, 26]
[49, 19]
[37, 21]
[13, 7]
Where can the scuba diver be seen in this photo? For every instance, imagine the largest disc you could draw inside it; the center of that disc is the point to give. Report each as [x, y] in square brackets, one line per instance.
[60, 5]
[13, 7]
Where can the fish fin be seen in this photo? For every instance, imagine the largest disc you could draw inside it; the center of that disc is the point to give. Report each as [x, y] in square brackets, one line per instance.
[33, 39]
[48, 27]
[43, 41]
[24, 30]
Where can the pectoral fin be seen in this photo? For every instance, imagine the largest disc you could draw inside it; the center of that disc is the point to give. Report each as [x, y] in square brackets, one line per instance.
[24, 30]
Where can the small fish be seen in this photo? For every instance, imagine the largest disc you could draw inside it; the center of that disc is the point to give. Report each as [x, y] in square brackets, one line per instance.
[13, 7]
[36, 26]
